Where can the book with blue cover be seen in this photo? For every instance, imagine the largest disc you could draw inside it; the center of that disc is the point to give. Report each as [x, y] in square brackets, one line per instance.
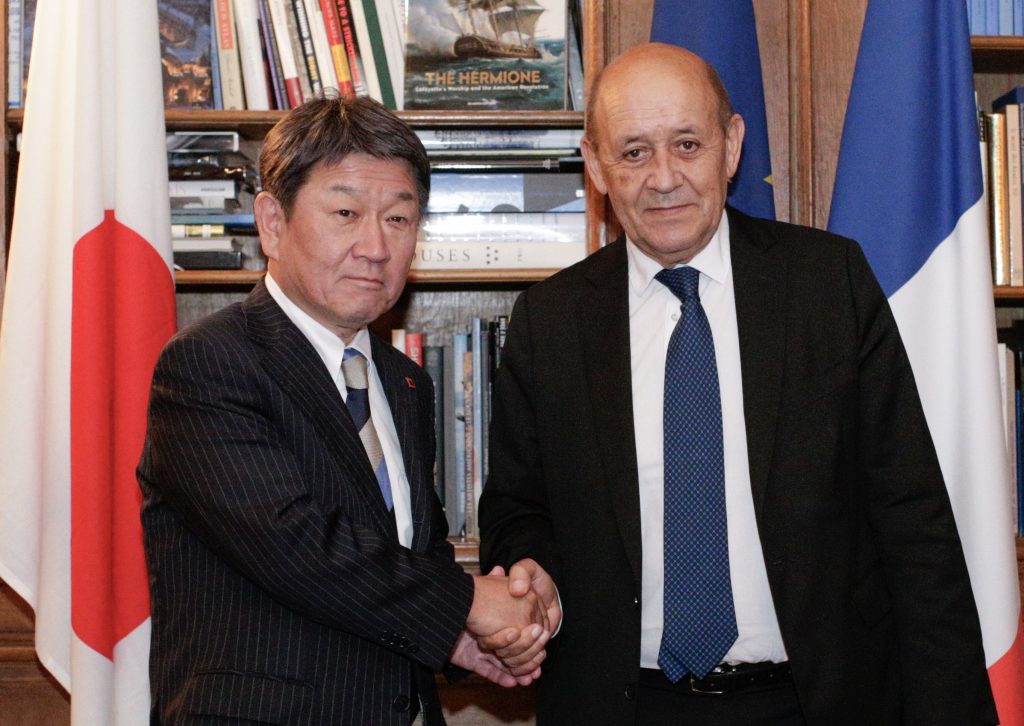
[186, 43]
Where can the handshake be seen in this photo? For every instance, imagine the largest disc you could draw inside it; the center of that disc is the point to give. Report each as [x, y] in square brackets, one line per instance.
[510, 621]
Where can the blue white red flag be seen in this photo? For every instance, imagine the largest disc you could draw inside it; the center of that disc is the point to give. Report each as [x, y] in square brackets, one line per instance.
[89, 304]
[723, 33]
[909, 189]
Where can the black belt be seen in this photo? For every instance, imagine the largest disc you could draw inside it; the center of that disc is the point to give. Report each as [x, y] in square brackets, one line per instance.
[724, 679]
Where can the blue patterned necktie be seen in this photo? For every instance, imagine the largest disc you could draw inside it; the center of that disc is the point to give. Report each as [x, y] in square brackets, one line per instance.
[353, 365]
[700, 619]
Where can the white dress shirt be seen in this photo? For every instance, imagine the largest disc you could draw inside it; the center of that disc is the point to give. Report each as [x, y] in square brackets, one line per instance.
[331, 349]
[653, 312]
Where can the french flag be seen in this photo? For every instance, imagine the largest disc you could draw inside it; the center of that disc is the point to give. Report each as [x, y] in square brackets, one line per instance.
[909, 189]
[723, 33]
[88, 305]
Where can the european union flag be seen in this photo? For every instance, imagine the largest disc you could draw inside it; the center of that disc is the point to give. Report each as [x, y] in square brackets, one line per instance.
[723, 33]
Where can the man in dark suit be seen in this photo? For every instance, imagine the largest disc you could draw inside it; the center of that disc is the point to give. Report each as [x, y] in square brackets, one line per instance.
[742, 511]
[298, 564]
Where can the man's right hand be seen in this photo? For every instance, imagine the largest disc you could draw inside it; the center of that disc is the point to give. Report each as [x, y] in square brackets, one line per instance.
[516, 626]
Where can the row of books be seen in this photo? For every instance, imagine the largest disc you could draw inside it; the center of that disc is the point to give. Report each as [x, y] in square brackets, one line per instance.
[462, 368]
[1002, 153]
[995, 17]
[1011, 379]
[416, 54]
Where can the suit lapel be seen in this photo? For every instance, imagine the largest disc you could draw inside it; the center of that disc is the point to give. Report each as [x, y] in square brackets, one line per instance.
[294, 364]
[401, 394]
[759, 281]
[604, 331]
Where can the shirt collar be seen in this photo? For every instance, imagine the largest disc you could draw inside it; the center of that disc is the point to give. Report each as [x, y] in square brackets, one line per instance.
[327, 344]
[712, 261]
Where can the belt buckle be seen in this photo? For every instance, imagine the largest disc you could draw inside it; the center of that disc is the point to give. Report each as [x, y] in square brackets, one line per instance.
[695, 688]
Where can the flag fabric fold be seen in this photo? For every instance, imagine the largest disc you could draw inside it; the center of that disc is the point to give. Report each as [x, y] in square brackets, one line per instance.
[723, 33]
[909, 190]
[89, 303]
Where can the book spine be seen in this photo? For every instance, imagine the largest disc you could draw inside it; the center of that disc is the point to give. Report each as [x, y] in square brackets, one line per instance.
[216, 91]
[286, 50]
[1013, 193]
[220, 188]
[398, 339]
[433, 364]
[273, 57]
[227, 54]
[352, 49]
[321, 48]
[451, 496]
[305, 44]
[999, 213]
[414, 347]
[474, 139]
[366, 53]
[460, 343]
[469, 495]
[374, 33]
[14, 54]
[336, 41]
[250, 55]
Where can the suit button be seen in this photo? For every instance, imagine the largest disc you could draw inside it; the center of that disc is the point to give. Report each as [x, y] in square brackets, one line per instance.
[630, 692]
[401, 703]
[636, 603]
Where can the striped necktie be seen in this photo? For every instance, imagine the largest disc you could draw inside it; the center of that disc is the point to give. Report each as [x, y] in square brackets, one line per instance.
[353, 365]
[700, 618]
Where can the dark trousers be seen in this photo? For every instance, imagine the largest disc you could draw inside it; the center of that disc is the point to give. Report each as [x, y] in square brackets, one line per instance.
[659, 703]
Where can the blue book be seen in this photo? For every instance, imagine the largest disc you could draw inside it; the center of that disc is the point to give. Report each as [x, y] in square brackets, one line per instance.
[1014, 96]
[1006, 17]
[460, 346]
[976, 17]
[218, 97]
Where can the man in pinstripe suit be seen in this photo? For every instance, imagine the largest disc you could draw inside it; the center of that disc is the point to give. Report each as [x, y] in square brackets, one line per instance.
[292, 583]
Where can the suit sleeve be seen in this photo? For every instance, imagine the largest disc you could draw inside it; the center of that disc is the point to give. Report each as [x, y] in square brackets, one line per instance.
[515, 517]
[223, 466]
[909, 513]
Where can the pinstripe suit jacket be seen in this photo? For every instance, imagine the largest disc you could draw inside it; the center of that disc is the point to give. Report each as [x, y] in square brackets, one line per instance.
[280, 593]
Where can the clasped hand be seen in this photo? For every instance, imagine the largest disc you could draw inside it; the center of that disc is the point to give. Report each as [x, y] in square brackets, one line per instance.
[511, 620]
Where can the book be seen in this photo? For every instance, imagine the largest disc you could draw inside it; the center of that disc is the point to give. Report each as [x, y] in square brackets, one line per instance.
[306, 50]
[414, 347]
[185, 53]
[207, 188]
[208, 259]
[469, 527]
[507, 192]
[498, 141]
[460, 346]
[28, 22]
[279, 17]
[1013, 192]
[232, 91]
[398, 339]
[14, 53]
[999, 222]
[204, 244]
[371, 52]
[352, 49]
[450, 498]
[272, 57]
[508, 55]
[336, 44]
[393, 41]
[250, 55]
[321, 48]
[218, 96]
[433, 364]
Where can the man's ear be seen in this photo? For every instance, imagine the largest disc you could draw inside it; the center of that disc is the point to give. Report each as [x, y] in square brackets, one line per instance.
[593, 165]
[734, 143]
[270, 223]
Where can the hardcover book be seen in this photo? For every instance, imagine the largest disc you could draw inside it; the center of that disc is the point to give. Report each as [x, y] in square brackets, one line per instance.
[486, 55]
[185, 53]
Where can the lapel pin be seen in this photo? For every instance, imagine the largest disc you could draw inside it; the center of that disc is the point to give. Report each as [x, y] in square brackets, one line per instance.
[410, 382]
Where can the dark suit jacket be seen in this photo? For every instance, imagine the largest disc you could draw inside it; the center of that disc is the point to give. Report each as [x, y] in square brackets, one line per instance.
[280, 594]
[863, 558]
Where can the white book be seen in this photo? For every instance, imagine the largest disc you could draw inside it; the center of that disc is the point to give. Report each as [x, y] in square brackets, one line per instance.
[14, 53]
[393, 37]
[232, 93]
[1013, 193]
[203, 244]
[1007, 382]
[250, 54]
[398, 339]
[285, 50]
[206, 188]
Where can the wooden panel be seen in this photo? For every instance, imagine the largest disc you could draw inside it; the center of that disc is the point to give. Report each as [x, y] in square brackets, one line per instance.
[773, 42]
[835, 27]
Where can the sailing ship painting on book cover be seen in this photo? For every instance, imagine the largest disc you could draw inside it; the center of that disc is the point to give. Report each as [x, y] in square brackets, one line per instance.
[486, 55]
[185, 53]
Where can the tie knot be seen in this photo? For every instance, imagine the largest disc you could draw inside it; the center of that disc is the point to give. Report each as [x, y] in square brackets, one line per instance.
[682, 281]
[353, 365]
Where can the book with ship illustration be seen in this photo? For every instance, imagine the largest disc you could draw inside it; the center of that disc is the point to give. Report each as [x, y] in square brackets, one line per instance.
[486, 55]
